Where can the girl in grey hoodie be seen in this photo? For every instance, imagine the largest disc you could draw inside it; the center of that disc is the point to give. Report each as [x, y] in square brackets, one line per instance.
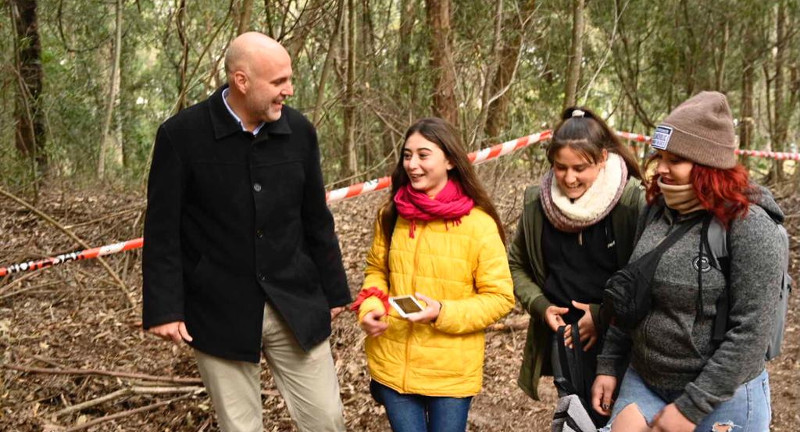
[679, 379]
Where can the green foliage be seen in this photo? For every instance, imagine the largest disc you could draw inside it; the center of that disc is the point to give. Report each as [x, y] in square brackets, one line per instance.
[640, 60]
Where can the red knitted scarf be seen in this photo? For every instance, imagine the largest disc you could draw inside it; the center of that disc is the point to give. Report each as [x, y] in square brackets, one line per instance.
[450, 204]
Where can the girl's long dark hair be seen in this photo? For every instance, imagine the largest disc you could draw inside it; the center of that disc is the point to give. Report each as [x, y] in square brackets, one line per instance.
[589, 135]
[444, 135]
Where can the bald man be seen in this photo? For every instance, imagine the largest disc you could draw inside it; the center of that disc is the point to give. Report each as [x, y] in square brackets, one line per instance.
[240, 255]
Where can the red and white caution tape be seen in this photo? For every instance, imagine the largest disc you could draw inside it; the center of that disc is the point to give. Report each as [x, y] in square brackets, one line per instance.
[753, 153]
[633, 137]
[478, 157]
[72, 256]
[507, 147]
[358, 189]
[769, 154]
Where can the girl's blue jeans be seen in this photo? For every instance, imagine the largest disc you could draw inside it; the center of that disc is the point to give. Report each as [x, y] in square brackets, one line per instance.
[418, 413]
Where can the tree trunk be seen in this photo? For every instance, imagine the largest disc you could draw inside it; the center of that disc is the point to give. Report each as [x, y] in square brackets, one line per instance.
[690, 50]
[719, 62]
[487, 96]
[184, 65]
[781, 116]
[747, 122]
[442, 65]
[404, 87]
[28, 115]
[509, 57]
[244, 16]
[350, 167]
[326, 66]
[575, 55]
[106, 141]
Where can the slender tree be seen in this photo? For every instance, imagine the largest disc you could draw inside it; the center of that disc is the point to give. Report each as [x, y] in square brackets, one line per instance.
[245, 15]
[517, 25]
[442, 64]
[183, 68]
[575, 54]
[107, 141]
[350, 166]
[29, 115]
[326, 65]
[404, 85]
[746, 120]
[780, 116]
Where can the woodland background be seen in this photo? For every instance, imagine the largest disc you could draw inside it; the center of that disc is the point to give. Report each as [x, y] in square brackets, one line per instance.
[85, 84]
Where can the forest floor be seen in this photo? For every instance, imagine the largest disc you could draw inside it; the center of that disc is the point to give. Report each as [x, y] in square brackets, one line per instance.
[74, 356]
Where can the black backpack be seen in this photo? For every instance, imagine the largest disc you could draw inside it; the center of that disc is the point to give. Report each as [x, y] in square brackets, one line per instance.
[717, 241]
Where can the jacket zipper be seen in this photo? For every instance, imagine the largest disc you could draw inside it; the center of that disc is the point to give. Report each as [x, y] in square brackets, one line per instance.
[420, 230]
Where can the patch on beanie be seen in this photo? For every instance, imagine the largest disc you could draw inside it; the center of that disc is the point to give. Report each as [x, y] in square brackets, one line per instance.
[661, 137]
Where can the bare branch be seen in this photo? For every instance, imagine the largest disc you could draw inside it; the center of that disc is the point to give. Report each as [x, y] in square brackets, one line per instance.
[144, 377]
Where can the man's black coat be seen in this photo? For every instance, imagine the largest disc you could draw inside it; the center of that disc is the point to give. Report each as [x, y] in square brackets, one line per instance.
[233, 221]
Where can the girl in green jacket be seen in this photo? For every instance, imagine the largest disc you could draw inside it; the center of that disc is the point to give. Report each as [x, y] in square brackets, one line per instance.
[577, 228]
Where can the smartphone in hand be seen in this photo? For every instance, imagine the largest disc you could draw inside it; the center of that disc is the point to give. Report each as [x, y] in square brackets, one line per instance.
[405, 305]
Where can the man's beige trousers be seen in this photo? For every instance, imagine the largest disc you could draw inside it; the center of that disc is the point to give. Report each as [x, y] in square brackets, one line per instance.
[306, 380]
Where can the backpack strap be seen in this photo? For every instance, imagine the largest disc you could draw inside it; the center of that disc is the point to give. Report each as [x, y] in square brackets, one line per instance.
[571, 361]
[703, 246]
[723, 302]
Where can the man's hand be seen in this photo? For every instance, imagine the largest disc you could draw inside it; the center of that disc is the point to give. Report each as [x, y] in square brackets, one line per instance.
[602, 390]
[552, 316]
[427, 315]
[174, 331]
[372, 324]
[586, 328]
[336, 311]
[670, 419]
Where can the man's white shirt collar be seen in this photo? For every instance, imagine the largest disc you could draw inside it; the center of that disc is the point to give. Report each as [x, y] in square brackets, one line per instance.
[238, 120]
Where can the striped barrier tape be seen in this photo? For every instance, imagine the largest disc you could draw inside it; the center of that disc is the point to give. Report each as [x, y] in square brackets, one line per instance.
[72, 256]
[769, 154]
[753, 153]
[476, 158]
[633, 137]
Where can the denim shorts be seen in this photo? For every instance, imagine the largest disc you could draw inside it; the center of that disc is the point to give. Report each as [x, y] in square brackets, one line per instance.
[749, 410]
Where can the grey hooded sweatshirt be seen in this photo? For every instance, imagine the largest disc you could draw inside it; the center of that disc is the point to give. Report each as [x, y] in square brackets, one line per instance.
[671, 348]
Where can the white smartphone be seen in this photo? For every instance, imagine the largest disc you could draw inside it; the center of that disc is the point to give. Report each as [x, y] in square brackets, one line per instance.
[405, 305]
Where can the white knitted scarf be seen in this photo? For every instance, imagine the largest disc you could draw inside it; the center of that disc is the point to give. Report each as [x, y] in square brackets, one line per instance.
[594, 204]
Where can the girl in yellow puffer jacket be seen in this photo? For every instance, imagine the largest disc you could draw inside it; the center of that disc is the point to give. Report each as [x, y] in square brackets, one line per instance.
[440, 239]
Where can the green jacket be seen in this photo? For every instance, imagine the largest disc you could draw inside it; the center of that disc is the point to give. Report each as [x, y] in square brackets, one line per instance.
[529, 272]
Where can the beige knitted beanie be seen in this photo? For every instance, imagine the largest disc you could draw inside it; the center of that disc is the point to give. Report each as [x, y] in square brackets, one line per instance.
[700, 130]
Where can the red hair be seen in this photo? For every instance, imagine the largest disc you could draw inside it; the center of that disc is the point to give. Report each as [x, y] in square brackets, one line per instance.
[723, 192]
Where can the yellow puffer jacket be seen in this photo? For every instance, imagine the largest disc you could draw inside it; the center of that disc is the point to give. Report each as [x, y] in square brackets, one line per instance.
[465, 268]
